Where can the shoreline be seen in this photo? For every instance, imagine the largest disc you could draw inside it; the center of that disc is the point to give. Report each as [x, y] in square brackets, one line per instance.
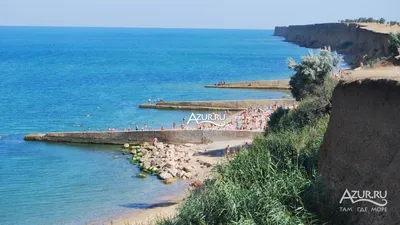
[212, 153]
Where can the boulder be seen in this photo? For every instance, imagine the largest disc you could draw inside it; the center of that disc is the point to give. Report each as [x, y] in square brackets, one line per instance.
[152, 148]
[141, 175]
[170, 164]
[188, 169]
[134, 147]
[126, 145]
[188, 175]
[172, 171]
[169, 180]
[180, 174]
[146, 165]
[188, 145]
[164, 175]
[145, 144]
[159, 145]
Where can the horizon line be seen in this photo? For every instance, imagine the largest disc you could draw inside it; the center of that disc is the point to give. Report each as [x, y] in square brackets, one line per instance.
[134, 27]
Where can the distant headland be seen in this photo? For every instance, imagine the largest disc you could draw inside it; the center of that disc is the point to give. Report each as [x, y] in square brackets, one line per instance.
[361, 41]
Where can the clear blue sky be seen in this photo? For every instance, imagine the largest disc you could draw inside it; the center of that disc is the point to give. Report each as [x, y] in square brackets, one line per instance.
[250, 14]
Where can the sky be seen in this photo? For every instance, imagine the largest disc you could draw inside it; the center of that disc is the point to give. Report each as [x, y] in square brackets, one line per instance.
[226, 14]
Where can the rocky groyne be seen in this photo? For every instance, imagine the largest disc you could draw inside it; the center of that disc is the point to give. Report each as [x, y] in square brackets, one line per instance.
[177, 136]
[344, 38]
[182, 161]
[260, 84]
[231, 105]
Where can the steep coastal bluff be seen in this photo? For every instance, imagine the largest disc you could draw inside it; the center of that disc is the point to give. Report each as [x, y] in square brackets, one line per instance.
[360, 151]
[351, 39]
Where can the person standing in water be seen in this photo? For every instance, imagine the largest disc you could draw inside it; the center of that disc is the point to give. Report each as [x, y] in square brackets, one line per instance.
[174, 125]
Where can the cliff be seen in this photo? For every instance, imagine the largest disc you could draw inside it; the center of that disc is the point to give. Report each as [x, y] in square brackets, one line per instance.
[344, 38]
[361, 151]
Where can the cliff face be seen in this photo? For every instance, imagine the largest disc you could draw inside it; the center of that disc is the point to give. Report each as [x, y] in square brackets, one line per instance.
[361, 150]
[343, 38]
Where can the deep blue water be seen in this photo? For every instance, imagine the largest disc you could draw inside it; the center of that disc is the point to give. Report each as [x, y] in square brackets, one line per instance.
[52, 78]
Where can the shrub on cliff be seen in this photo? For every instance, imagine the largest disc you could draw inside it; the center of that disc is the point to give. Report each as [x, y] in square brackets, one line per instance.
[312, 72]
[275, 117]
[394, 43]
[309, 112]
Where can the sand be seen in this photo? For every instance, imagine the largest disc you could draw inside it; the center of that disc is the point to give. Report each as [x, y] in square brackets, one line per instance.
[391, 72]
[381, 28]
[211, 153]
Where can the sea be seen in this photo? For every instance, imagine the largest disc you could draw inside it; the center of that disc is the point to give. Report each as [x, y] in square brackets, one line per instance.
[73, 79]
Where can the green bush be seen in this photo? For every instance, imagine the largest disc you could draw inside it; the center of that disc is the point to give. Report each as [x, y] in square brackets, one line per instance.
[311, 73]
[276, 116]
[394, 43]
[308, 112]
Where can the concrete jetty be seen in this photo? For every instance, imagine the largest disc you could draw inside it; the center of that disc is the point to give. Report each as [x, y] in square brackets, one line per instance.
[137, 137]
[231, 105]
[261, 84]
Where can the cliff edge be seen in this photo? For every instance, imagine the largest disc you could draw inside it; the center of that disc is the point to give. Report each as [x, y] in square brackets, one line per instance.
[351, 39]
[361, 151]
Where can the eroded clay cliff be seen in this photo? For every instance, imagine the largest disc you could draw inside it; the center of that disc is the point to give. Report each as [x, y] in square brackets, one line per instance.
[343, 38]
[361, 151]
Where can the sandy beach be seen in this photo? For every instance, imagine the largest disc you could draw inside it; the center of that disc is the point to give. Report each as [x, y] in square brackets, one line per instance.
[212, 153]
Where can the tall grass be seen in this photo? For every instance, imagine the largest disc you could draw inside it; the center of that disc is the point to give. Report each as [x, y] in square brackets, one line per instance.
[265, 184]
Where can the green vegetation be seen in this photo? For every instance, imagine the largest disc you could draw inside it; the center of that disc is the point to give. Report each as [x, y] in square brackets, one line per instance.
[394, 43]
[370, 20]
[394, 22]
[373, 62]
[275, 181]
[312, 73]
[364, 20]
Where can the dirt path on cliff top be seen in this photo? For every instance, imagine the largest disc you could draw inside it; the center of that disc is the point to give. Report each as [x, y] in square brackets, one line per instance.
[210, 153]
[392, 73]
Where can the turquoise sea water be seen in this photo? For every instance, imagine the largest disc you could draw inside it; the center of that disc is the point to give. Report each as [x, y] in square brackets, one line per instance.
[53, 78]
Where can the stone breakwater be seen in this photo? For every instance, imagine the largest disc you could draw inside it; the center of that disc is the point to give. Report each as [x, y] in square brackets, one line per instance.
[260, 84]
[136, 137]
[231, 105]
[344, 38]
[167, 161]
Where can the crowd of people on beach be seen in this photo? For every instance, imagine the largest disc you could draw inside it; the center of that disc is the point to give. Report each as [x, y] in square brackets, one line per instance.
[253, 118]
